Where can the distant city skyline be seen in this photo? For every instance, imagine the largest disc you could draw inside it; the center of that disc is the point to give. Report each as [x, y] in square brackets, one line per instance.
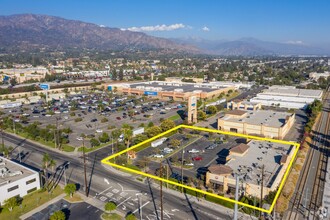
[295, 22]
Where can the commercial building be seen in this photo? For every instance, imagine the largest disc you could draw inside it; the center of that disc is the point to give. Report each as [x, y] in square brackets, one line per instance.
[16, 180]
[248, 161]
[171, 90]
[260, 123]
[316, 76]
[243, 104]
[287, 97]
[24, 74]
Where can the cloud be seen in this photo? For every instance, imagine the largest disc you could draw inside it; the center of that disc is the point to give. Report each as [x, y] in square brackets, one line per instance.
[295, 42]
[162, 27]
[205, 28]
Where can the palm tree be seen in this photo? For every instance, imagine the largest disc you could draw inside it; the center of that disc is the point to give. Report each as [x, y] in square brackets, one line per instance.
[52, 164]
[115, 136]
[128, 136]
[46, 162]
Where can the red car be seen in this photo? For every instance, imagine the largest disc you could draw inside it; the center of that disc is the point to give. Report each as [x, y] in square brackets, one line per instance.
[198, 158]
[118, 118]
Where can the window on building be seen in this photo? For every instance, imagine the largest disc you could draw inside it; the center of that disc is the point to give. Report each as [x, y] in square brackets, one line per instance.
[30, 181]
[12, 188]
[31, 190]
[233, 130]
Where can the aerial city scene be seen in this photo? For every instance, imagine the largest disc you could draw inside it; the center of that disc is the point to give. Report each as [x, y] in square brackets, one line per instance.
[164, 110]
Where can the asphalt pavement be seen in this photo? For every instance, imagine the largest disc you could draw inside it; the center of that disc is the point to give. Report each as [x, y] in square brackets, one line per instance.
[105, 185]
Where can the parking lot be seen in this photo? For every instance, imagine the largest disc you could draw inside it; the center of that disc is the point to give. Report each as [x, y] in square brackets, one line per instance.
[92, 114]
[80, 210]
[196, 152]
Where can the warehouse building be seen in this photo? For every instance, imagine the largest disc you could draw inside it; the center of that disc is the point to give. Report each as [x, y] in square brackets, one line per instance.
[287, 97]
[260, 123]
[247, 161]
[178, 91]
[16, 180]
[243, 104]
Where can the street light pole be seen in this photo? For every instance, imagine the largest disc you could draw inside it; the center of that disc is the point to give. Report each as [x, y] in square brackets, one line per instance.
[236, 197]
[86, 188]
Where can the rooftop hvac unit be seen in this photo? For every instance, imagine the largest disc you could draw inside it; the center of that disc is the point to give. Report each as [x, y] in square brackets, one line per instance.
[15, 173]
[178, 90]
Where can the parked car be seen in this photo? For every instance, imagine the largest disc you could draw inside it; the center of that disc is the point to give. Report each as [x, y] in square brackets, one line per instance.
[193, 151]
[118, 118]
[79, 138]
[159, 155]
[99, 131]
[198, 158]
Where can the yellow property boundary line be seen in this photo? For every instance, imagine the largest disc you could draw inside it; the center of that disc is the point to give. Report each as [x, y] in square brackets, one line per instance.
[297, 145]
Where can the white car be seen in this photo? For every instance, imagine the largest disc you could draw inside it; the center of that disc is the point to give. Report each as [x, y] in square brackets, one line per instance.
[159, 155]
[79, 138]
[48, 115]
[193, 151]
[26, 114]
[99, 131]
[189, 164]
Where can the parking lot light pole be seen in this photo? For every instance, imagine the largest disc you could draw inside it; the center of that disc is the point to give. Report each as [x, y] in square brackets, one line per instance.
[86, 188]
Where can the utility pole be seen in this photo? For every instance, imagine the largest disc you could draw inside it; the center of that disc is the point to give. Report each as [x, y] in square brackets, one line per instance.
[86, 188]
[262, 186]
[161, 191]
[167, 175]
[236, 196]
[182, 159]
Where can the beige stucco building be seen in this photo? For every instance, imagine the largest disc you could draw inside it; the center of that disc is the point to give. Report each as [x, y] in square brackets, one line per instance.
[260, 123]
[247, 161]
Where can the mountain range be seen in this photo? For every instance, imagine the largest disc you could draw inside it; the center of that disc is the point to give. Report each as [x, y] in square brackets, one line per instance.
[27, 32]
[251, 47]
[30, 31]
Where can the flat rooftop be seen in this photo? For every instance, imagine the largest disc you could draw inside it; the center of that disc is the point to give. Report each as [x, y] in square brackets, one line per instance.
[260, 117]
[11, 171]
[259, 153]
[171, 86]
[288, 91]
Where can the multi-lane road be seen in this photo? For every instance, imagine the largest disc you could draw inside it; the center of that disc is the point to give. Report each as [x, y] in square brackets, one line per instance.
[107, 185]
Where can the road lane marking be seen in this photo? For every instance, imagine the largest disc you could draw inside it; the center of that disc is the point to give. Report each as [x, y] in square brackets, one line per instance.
[141, 206]
[105, 190]
[124, 201]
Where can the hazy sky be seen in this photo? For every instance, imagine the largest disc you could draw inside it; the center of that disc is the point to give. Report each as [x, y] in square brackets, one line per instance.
[295, 21]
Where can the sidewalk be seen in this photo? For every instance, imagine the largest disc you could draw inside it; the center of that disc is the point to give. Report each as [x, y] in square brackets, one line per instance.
[74, 153]
[38, 209]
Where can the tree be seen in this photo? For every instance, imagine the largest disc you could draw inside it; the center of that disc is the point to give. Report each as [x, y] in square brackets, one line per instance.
[115, 135]
[130, 216]
[94, 142]
[128, 135]
[13, 81]
[104, 137]
[58, 215]
[46, 163]
[153, 131]
[69, 189]
[150, 124]
[175, 142]
[167, 125]
[211, 109]
[11, 203]
[110, 206]
[121, 74]
[52, 164]
[201, 115]
[139, 138]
